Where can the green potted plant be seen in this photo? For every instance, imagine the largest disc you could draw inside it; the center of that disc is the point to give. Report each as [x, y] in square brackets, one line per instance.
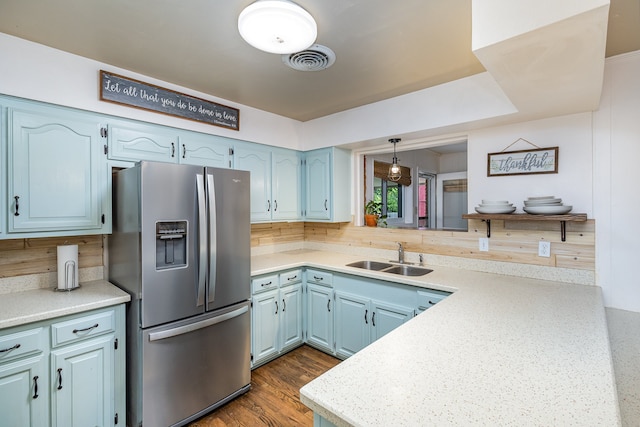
[372, 211]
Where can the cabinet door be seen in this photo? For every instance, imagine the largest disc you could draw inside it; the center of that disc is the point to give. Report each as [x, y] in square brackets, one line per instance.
[24, 393]
[291, 316]
[353, 318]
[55, 174]
[139, 141]
[266, 308]
[205, 150]
[318, 185]
[257, 162]
[386, 317]
[320, 317]
[285, 186]
[82, 380]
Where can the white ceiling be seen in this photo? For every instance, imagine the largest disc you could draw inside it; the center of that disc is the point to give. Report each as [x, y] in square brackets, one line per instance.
[383, 48]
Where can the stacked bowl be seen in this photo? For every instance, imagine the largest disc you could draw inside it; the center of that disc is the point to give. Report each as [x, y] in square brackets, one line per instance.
[545, 205]
[495, 207]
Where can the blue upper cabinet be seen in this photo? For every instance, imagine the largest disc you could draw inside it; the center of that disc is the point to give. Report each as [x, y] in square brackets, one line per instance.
[205, 150]
[318, 183]
[275, 181]
[328, 185]
[56, 172]
[286, 185]
[257, 161]
[135, 141]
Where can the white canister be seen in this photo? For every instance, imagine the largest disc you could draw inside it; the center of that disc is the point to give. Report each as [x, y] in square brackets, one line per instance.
[68, 267]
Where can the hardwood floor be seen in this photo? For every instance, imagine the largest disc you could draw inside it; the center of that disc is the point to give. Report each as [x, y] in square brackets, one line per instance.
[274, 398]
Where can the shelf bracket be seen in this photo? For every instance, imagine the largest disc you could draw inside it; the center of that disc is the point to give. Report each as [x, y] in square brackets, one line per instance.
[563, 230]
[488, 221]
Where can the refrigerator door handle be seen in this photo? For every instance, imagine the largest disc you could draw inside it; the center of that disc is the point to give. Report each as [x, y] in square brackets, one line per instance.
[213, 243]
[181, 330]
[202, 239]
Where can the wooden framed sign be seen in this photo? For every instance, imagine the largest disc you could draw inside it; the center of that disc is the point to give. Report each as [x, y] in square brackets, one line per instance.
[523, 162]
[123, 90]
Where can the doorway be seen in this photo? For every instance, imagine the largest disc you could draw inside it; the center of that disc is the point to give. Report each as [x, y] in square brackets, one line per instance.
[452, 201]
[426, 197]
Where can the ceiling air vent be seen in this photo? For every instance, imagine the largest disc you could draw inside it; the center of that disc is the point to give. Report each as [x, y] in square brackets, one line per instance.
[315, 58]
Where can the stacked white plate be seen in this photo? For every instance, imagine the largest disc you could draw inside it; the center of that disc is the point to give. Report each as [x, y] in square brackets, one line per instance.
[545, 205]
[495, 207]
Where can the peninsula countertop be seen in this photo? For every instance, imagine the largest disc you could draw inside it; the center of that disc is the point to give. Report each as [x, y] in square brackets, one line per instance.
[18, 308]
[501, 350]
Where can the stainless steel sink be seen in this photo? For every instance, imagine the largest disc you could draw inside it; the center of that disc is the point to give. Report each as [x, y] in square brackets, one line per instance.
[370, 265]
[402, 269]
[407, 270]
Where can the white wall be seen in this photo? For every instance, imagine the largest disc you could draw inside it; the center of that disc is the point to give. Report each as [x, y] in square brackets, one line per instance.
[573, 182]
[453, 162]
[33, 71]
[617, 176]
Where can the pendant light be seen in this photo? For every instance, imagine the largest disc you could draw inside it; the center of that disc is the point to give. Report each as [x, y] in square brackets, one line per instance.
[277, 26]
[394, 170]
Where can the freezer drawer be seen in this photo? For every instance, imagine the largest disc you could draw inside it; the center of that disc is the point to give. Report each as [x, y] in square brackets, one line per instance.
[191, 367]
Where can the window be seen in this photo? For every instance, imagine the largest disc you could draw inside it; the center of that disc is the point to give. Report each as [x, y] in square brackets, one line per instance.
[390, 194]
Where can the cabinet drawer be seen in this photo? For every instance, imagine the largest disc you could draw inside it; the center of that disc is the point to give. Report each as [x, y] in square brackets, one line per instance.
[291, 277]
[81, 328]
[264, 283]
[24, 343]
[429, 298]
[319, 277]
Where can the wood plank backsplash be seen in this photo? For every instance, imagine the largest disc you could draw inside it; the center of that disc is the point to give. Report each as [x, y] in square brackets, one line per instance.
[515, 242]
[510, 241]
[31, 256]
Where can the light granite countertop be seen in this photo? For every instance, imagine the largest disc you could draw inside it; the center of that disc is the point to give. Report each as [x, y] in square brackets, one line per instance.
[18, 308]
[501, 350]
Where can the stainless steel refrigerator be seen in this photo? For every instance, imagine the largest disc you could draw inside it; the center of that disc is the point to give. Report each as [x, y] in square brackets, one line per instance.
[181, 247]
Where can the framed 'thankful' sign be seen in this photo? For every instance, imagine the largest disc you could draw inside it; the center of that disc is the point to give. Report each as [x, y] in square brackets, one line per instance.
[523, 162]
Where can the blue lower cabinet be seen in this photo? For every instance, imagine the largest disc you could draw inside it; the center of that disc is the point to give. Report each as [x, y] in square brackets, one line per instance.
[277, 313]
[65, 372]
[320, 307]
[360, 321]
[83, 389]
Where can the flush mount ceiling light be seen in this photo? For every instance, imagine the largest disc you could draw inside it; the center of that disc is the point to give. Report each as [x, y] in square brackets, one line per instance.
[394, 170]
[277, 26]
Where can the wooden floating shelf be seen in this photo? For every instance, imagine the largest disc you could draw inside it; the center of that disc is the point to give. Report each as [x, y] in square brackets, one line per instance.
[579, 217]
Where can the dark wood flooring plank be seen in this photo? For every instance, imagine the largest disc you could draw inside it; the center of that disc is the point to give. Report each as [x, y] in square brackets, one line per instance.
[274, 398]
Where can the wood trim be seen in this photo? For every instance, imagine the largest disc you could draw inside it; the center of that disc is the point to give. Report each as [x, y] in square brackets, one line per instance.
[381, 170]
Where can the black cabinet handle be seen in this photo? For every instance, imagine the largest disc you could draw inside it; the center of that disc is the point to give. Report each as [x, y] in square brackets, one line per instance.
[292, 277]
[268, 205]
[276, 307]
[328, 307]
[184, 151]
[4, 350]
[173, 149]
[284, 305]
[59, 378]
[318, 278]
[35, 387]
[373, 318]
[275, 205]
[431, 302]
[325, 205]
[17, 213]
[75, 331]
[266, 284]
[365, 317]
